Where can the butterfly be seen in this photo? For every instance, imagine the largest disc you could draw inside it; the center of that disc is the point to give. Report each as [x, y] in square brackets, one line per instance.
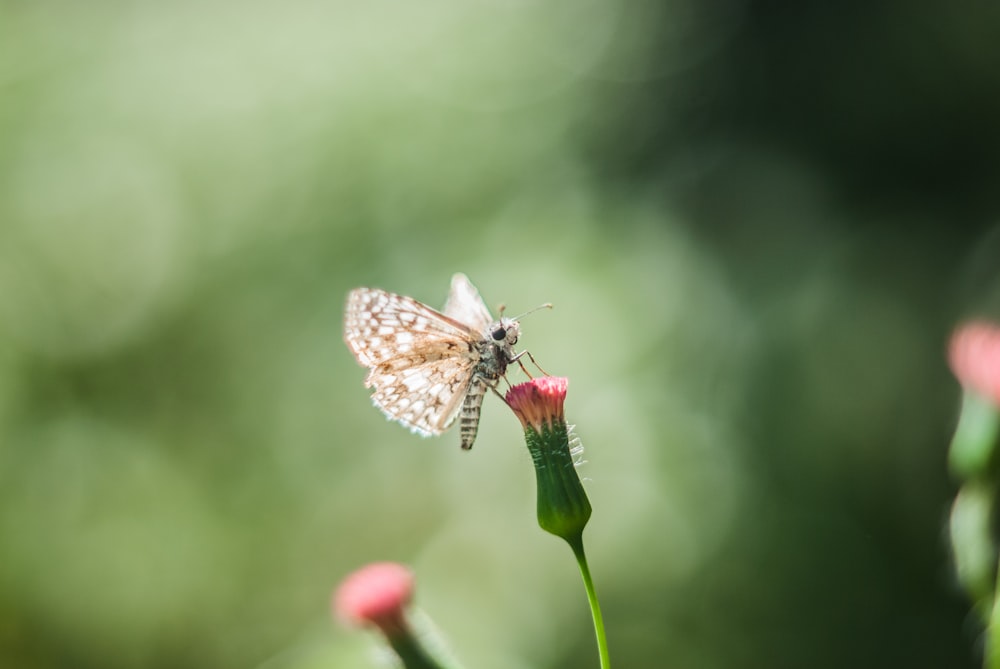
[427, 367]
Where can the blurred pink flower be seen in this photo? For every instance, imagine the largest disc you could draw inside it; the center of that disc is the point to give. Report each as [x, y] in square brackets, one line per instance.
[377, 594]
[974, 356]
[539, 402]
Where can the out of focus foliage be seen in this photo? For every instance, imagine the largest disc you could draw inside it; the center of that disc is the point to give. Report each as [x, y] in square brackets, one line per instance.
[757, 225]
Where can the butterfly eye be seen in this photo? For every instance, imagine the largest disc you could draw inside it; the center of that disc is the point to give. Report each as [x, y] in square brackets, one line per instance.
[499, 334]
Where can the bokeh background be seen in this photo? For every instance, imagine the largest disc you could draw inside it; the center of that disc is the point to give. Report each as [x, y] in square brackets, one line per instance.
[758, 223]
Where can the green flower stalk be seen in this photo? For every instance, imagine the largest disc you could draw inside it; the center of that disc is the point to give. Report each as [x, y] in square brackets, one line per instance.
[974, 357]
[563, 507]
[377, 595]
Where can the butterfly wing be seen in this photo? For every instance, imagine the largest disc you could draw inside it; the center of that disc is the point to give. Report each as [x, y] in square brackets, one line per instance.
[420, 361]
[427, 396]
[380, 326]
[466, 306]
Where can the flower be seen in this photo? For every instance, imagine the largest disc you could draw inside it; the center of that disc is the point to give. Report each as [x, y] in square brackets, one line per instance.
[563, 508]
[974, 355]
[539, 402]
[377, 594]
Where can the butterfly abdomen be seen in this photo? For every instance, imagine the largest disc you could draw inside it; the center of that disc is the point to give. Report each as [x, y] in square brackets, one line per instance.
[469, 417]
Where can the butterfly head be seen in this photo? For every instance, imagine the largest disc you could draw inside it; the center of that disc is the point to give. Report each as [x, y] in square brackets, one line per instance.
[504, 332]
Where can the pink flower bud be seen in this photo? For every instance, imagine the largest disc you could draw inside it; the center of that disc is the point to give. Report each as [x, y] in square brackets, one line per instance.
[539, 402]
[974, 355]
[563, 507]
[376, 594]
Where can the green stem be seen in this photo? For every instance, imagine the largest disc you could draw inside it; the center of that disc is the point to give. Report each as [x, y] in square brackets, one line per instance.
[991, 659]
[412, 656]
[411, 651]
[576, 543]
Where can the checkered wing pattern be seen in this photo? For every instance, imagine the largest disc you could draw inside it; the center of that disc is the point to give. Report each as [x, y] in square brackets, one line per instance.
[420, 361]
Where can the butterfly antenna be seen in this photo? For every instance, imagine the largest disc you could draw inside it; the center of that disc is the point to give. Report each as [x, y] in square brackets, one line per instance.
[547, 305]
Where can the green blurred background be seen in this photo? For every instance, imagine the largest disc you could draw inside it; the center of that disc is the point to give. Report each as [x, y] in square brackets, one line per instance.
[758, 225]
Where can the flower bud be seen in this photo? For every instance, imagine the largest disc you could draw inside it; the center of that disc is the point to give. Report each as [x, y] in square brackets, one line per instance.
[563, 507]
[378, 595]
[974, 356]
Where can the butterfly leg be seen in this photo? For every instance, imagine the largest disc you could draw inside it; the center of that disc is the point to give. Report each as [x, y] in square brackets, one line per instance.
[493, 387]
[517, 359]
